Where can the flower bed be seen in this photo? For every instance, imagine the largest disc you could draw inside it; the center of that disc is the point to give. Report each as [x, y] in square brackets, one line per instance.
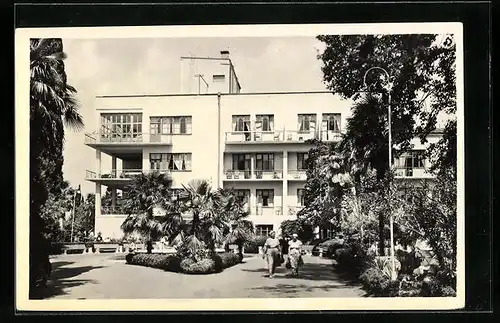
[376, 281]
[174, 263]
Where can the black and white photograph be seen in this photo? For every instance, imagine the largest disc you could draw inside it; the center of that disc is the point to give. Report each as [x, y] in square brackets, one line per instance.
[240, 167]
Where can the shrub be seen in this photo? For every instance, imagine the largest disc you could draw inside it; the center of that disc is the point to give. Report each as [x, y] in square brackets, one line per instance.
[377, 284]
[433, 287]
[408, 261]
[351, 257]
[229, 259]
[331, 246]
[252, 246]
[448, 291]
[165, 262]
[204, 266]
[174, 263]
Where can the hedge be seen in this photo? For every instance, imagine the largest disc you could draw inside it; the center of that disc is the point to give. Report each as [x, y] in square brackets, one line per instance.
[174, 263]
[203, 267]
[160, 261]
[253, 245]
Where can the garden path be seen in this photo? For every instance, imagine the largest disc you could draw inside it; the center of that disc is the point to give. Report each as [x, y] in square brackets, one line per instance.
[107, 276]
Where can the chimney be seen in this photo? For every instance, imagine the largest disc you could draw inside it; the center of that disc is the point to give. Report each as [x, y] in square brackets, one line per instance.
[224, 54]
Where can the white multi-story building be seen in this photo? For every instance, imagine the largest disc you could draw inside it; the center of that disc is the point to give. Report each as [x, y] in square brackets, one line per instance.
[252, 142]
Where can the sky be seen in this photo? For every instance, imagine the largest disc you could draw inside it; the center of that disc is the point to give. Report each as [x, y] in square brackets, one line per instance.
[152, 66]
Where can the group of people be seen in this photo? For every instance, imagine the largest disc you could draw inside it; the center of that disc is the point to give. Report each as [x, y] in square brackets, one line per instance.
[277, 251]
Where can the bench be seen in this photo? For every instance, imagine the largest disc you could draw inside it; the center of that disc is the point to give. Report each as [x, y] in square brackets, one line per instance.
[109, 248]
[73, 248]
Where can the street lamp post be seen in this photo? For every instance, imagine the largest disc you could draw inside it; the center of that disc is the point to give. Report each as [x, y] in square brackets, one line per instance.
[73, 211]
[388, 88]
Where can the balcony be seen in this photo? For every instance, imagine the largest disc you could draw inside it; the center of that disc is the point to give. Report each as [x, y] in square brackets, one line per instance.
[412, 173]
[98, 139]
[297, 174]
[113, 210]
[330, 136]
[263, 175]
[118, 177]
[268, 210]
[267, 137]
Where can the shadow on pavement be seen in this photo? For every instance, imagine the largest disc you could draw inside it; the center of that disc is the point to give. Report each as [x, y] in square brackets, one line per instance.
[289, 289]
[61, 279]
[313, 272]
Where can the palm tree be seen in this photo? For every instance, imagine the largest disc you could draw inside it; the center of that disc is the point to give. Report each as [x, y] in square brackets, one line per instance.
[237, 214]
[146, 192]
[365, 145]
[206, 211]
[52, 106]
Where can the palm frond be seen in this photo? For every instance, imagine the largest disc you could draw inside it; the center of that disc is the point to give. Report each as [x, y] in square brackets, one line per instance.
[193, 244]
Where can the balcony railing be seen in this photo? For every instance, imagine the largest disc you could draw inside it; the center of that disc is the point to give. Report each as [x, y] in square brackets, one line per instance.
[268, 210]
[330, 136]
[276, 136]
[121, 173]
[412, 172]
[112, 210]
[297, 174]
[257, 174]
[127, 138]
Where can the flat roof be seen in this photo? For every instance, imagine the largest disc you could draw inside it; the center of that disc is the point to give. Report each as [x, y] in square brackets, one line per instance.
[212, 94]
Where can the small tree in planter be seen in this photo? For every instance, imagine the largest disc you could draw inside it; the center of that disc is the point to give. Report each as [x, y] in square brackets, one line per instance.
[236, 212]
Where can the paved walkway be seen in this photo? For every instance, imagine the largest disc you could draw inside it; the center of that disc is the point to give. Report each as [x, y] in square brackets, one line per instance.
[106, 276]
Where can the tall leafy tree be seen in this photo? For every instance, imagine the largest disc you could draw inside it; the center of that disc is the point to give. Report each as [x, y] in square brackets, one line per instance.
[422, 71]
[52, 107]
[421, 68]
[326, 179]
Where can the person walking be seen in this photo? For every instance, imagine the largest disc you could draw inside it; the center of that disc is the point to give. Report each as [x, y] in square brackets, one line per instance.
[295, 254]
[284, 248]
[272, 253]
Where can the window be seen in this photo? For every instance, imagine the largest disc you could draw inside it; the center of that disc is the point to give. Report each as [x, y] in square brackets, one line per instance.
[306, 122]
[410, 160]
[263, 229]
[121, 126]
[219, 78]
[173, 162]
[241, 123]
[242, 195]
[264, 162]
[264, 122]
[300, 197]
[241, 161]
[171, 125]
[156, 162]
[301, 161]
[331, 122]
[265, 198]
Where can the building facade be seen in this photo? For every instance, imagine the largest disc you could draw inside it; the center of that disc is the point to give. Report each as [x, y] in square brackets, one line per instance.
[254, 143]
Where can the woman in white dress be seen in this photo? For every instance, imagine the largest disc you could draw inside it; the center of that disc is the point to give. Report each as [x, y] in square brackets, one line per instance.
[295, 254]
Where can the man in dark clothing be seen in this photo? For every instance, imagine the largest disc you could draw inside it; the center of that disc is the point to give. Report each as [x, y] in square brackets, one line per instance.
[284, 245]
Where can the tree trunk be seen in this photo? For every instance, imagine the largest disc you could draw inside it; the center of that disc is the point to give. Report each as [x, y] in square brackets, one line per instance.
[240, 250]
[381, 238]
